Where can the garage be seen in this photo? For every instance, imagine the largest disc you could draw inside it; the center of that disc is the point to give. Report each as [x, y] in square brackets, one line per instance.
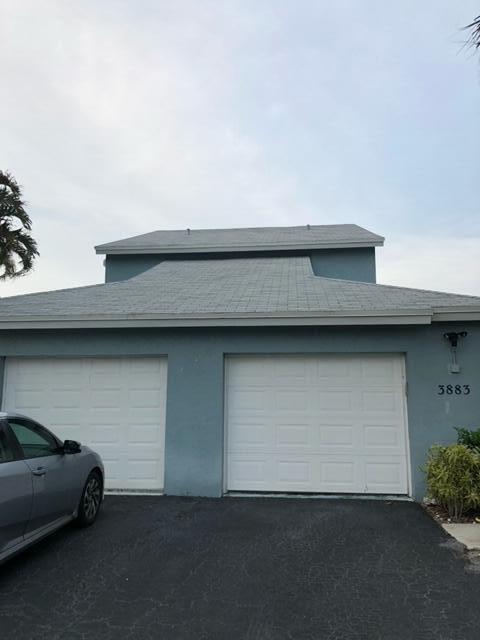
[327, 424]
[114, 405]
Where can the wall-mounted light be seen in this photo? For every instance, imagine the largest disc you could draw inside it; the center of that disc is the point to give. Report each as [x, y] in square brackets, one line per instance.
[453, 337]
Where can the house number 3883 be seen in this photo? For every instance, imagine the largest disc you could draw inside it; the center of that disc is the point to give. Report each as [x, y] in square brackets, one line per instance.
[454, 389]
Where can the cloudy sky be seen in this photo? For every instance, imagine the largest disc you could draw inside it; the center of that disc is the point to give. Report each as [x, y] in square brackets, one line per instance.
[121, 117]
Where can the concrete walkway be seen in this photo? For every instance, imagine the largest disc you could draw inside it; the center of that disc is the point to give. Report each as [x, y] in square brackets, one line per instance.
[466, 533]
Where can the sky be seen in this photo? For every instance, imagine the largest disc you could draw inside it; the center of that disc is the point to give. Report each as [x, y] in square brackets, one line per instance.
[122, 117]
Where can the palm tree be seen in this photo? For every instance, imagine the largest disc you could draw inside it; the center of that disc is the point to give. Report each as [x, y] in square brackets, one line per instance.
[18, 249]
[474, 38]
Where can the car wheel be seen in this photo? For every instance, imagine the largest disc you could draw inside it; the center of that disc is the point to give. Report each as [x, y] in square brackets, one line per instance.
[90, 501]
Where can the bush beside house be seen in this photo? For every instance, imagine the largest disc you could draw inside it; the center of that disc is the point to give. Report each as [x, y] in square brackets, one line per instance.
[453, 474]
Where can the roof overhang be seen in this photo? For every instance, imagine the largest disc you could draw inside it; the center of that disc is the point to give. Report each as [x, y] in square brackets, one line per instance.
[299, 246]
[130, 321]
[214, 320]
[456, 316]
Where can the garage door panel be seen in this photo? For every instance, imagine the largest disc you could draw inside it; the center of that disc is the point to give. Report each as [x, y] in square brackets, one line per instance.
[109, 398]
[255, 374]
[338, 427]
[140, 468]
[336, 474]
[337, 435]
[246, 400]
[64, 431]
[335, 371]
[66, 398]
[102, 416]
[143, 434]
[254, 473]
[145, 398]
[379, 371]
[143, 417]
[246, 435]
[28, 399]
[104, 434]
[382, 436]
[385, 476]
[335, 401]
[293, 435]
[113, 464]
[105, 366]
[285, 373]
[315, 474]
[295, 472]
[116, 405]
[380, 401]
[246, 472]
[288, 400]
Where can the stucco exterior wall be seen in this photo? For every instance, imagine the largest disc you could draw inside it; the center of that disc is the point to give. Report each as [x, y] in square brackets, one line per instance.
[195, 394]
[124, 267]
[346, 264]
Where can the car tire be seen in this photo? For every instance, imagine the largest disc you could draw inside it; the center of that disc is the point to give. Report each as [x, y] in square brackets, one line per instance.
[91, 500]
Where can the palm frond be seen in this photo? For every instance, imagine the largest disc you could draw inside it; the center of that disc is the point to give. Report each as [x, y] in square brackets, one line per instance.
[474, 37]
[18, 249]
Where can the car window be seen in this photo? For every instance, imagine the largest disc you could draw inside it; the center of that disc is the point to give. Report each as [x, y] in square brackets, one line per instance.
[6, 453]
[33, 439]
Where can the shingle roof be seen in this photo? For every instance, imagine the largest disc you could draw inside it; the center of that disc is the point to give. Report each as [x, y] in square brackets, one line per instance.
[248, 239]
[232, 289]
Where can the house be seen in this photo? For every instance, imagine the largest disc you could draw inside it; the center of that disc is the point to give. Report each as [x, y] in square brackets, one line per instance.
[247, 360]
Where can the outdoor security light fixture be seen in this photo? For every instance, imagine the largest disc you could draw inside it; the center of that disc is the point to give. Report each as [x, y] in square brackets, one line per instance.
[453, 337]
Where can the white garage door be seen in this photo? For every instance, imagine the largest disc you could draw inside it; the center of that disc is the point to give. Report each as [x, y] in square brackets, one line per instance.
[114, 405]
[332, 423]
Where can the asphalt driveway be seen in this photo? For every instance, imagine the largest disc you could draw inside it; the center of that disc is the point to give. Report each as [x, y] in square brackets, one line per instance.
[255, 569]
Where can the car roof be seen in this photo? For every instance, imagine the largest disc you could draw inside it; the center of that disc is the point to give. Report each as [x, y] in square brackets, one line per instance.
[14, 414]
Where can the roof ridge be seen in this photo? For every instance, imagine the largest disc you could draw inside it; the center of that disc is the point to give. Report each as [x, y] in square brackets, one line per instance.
[245, 238]
[255, 228]
[97, 285]
[268, 227]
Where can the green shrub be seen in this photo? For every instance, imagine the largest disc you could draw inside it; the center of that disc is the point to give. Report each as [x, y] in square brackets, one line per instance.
[469, 437]
[453, 478]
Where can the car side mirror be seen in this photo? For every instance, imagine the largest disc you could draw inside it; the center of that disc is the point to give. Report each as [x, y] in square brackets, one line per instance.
[71, 446]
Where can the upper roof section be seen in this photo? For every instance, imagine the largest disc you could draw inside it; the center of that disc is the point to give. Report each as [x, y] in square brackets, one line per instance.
[328, 236]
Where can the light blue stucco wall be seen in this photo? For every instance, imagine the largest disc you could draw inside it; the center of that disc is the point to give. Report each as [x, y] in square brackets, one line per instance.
[195, 394]
[345, 264]
[125, 267]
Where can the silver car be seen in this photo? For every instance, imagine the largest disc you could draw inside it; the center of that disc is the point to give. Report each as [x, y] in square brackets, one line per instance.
[44, 483]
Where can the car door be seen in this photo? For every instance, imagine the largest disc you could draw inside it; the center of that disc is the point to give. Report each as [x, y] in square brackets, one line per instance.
[16, 492]
[52, 472]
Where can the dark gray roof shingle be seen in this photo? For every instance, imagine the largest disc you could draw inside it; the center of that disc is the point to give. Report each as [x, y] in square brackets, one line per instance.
[248, 239]
[259, 286]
